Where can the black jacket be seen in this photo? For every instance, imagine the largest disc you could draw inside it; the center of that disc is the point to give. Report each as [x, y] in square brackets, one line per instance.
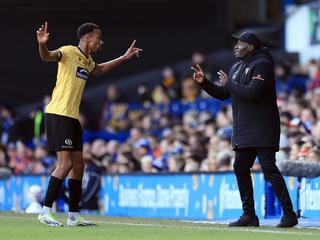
[256, 121]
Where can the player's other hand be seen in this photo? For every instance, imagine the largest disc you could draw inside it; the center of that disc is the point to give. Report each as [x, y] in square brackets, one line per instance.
[198, 74]
[42, 34]
[132, 51]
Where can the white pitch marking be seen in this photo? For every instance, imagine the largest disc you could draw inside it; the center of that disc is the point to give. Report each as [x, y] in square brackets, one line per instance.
[212, 228]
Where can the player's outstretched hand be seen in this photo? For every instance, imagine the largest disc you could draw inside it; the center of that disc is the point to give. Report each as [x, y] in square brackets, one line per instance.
[198, 74]
[132, 51]
[42, 34]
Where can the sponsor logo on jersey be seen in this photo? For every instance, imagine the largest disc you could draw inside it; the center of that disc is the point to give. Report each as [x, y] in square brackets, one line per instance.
[82, 73]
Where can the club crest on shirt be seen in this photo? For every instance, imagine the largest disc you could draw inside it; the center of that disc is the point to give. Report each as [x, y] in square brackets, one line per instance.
[82, 73]
[235, 74]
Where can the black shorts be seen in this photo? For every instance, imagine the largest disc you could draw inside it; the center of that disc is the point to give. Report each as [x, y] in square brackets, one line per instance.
[63, 133]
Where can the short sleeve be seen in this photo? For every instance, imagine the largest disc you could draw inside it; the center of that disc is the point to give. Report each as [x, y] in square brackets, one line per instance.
[64, 52]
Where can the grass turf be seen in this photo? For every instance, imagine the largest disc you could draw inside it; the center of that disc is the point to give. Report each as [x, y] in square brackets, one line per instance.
[21, 226]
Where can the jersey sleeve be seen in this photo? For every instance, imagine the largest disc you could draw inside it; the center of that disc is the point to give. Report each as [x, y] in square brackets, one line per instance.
[64, 52]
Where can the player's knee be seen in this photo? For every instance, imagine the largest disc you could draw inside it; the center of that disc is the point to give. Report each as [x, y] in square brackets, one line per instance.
[65, 166]
[78, 165]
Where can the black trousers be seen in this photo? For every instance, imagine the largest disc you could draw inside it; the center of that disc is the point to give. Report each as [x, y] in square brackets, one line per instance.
[244, 160]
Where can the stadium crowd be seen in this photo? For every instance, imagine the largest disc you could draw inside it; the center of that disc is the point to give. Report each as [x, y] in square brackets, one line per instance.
[174, 127]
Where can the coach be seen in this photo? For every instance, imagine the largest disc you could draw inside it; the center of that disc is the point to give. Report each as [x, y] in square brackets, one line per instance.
[256, 123]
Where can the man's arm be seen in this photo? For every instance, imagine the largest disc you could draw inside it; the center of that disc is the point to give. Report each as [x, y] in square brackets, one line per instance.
[211, 88]
[258, 86]
[214, 90]
[45, 54]
[105, 67]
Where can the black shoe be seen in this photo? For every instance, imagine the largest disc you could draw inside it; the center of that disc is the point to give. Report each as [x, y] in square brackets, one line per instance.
[246, 221]
[288, 221]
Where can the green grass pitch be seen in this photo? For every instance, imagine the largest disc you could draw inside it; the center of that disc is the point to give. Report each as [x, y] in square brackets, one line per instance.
[21, 226]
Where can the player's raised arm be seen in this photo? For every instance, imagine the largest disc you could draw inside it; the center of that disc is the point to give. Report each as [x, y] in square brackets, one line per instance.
[43, 37]
[105, 67]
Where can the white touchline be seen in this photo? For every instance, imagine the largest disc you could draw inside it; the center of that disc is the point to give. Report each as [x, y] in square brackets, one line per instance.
[212, 228]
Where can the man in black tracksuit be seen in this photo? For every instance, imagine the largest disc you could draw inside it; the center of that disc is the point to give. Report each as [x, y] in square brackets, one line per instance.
[256, 123]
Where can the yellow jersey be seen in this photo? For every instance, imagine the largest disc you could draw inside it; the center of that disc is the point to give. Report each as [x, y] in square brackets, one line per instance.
[74, 68]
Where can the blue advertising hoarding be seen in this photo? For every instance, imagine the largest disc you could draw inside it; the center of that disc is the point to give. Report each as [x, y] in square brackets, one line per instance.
[179, 196]
[273, 207]
[14, 191]
[187, 196]
[310, 197]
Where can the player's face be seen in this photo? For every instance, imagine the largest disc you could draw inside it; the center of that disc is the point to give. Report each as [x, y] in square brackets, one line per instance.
[95, 42]
[242, 49]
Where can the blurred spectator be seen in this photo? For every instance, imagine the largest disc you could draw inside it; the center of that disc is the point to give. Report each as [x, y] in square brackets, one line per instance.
[35, 198]
[170, 84]
[224, 159]
[20, 158]
[147, 165]
[192, 161]
[200, 58]
[294, 152]
[144, 155]
[91, 183]
[112, 97]
[211, 164]
[135, 135]
[295, 107]
[6, 125]
[39, 120]
[175, 158]
[190, 121]
[304, 151]
[175, 163]
[314, 154]
[143, 93]
[297, 81]
[97, 152]
[126, 163]
[281, 74]
[313, 72]
[190, 90]
[43, 162]
[31, 129]
[312, 68]
[284, 150]
[5, 170]
[111, 150]
[159, 96]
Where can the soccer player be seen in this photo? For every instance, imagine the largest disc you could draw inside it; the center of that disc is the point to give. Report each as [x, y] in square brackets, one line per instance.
[64, 133]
